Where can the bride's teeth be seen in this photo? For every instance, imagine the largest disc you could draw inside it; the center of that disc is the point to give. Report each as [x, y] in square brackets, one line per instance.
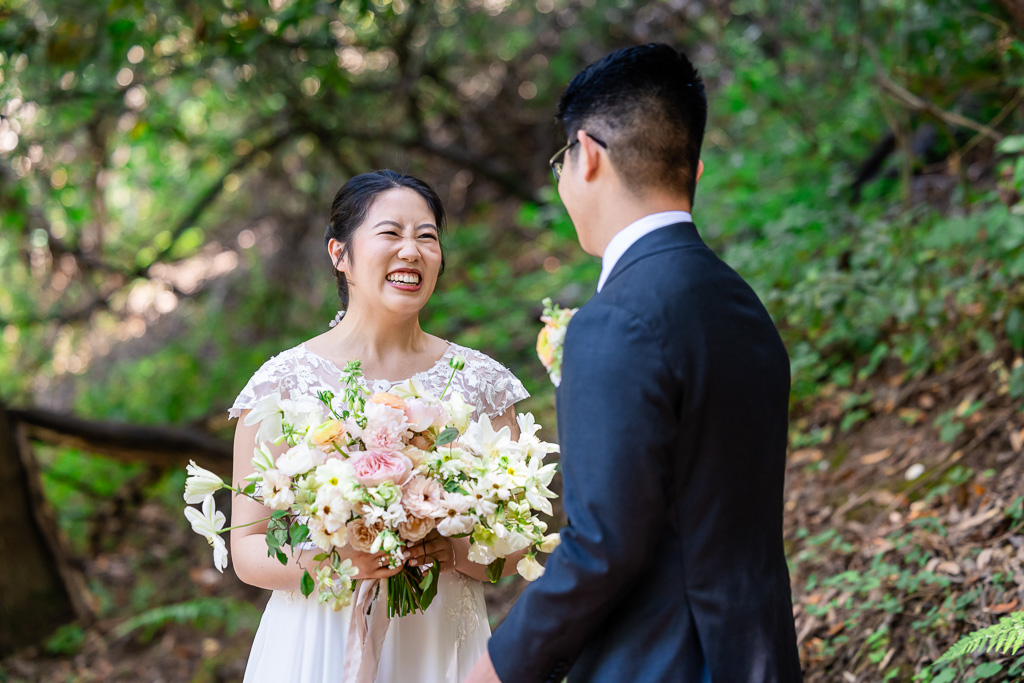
[404, 278]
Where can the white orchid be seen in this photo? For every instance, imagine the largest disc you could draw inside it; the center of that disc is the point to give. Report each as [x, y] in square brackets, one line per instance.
[410, 388]
[536, 485]
[303, 414]
[532, 445]
[491, 444]
[209, 524]
[267, 414]
[200, 483]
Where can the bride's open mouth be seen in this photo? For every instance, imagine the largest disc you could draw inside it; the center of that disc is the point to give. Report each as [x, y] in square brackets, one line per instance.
[406, 280]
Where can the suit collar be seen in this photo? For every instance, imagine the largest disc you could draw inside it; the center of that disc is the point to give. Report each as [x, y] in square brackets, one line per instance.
[669, 237]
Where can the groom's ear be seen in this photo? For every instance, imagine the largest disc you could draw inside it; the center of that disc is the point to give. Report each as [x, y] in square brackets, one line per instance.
[700, 171]
[589, 157]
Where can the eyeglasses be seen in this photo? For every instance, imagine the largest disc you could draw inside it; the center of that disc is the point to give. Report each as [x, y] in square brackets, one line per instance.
[556, 161]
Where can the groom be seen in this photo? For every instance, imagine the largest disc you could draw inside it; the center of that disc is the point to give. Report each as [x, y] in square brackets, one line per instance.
[672, 418]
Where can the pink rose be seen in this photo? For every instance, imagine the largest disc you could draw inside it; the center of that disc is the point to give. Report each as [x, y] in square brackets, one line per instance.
[375, 467]
[421, 497]
[422, 415]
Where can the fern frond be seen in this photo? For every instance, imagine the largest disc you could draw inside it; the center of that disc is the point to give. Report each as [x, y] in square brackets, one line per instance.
[1004, 637]
[201, 611]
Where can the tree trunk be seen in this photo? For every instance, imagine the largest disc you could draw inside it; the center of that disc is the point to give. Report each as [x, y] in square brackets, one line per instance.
[38, 589]
[1015, 8]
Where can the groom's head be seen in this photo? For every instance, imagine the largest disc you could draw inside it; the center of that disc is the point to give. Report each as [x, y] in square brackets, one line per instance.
[643, 109]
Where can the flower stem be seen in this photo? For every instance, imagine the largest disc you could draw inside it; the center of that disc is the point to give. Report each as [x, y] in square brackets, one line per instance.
[242, 526]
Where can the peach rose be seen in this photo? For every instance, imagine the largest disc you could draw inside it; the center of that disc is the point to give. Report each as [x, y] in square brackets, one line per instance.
[421, 497]
[416, 455]
[416, 528]
[361, 536]
[545, 350]
[389, 400]
[376, 467]
[328, 434]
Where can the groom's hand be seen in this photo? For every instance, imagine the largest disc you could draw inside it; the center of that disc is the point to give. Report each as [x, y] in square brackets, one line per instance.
[484, 671]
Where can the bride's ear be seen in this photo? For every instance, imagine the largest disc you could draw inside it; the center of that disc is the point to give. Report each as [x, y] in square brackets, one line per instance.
[337, 252]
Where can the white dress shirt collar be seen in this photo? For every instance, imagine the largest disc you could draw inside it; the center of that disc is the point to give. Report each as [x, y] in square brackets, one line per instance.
[629, 235]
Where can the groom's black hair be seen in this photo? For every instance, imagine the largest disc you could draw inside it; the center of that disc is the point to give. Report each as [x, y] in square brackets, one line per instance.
[647, 103]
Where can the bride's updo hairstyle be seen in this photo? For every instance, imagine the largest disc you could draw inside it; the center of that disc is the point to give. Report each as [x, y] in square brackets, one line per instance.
[353, 202]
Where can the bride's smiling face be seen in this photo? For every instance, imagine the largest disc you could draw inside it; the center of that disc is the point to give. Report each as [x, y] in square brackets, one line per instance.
[394, 257]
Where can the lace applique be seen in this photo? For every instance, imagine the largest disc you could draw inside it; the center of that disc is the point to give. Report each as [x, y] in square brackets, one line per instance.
[464, 611]
[484, 383]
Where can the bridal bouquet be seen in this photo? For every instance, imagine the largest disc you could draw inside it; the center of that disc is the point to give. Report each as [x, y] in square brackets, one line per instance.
[382, 471]
[552, 337]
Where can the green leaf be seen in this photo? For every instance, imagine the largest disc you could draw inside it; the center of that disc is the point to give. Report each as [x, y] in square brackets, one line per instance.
[453, 486]
[281, 557]
[278, 514]
[250, 489]
[307, 584]
[298, 534]
[1013, 144]
[320, 557]
[988, 669]
[428, 585]
[494, 569]
[447, 436]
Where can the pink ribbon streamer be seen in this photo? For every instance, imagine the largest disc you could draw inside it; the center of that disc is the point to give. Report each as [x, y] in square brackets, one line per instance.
[366, 633]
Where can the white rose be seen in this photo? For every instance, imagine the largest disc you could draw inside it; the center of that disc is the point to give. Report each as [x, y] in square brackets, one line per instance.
[299, 459]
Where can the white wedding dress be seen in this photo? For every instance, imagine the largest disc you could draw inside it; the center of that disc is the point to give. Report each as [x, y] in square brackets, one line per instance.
[299, 640]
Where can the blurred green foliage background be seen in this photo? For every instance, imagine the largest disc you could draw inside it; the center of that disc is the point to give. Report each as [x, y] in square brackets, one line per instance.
[166, 171]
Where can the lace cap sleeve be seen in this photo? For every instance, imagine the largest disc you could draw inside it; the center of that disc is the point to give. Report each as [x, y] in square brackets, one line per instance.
[492, 385]
[294, 370]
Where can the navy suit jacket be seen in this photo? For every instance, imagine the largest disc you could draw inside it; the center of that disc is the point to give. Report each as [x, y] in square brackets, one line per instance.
[672, 420]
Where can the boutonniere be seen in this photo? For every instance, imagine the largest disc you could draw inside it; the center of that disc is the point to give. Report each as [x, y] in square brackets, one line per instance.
[552, 337]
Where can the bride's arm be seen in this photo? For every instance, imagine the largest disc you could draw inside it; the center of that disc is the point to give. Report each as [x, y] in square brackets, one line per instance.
[460, 546]
[249, 545]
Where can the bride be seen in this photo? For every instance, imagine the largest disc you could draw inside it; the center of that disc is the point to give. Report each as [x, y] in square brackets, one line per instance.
[384, 242]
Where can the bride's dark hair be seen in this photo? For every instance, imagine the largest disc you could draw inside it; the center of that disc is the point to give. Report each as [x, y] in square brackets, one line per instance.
[353, 201]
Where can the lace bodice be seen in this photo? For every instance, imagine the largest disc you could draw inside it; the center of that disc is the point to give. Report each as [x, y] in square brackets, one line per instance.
[484, 383]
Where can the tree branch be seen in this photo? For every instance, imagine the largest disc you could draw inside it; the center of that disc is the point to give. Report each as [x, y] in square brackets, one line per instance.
[919, 104]
[160, 446]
